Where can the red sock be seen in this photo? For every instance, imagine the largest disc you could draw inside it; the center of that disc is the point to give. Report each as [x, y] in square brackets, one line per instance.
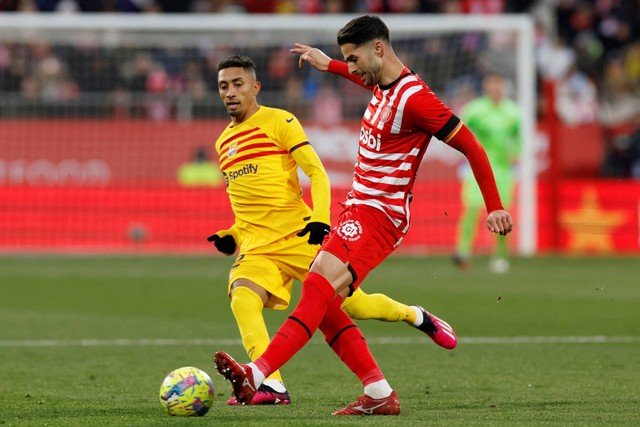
[347, 341]
[298, 329]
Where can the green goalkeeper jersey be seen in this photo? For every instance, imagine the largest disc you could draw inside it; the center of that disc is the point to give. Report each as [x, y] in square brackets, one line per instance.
[497, 127]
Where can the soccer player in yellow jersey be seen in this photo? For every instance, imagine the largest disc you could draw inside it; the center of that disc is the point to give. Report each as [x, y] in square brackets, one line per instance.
[276, 231]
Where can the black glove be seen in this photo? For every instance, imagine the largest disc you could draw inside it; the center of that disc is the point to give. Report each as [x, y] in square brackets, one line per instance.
[316, 230]
[226, 244]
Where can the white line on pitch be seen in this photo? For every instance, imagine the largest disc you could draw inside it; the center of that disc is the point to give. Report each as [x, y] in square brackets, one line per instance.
[163, 342]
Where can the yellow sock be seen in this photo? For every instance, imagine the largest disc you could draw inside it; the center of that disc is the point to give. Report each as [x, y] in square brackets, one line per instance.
[364, 306]
[247, 307]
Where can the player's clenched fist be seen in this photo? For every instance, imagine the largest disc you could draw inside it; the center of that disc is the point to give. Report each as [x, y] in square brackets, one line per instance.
[316, 230]
[225, 244]
[500, 222]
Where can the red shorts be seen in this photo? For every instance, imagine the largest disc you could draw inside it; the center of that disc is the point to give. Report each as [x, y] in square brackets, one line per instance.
[363, 237]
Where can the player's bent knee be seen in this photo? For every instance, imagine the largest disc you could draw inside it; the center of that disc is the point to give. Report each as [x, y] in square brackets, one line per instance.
[244, 301]
[244, 285]
[333, 270]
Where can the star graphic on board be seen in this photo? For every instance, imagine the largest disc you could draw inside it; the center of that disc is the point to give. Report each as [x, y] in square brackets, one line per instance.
[590, 226]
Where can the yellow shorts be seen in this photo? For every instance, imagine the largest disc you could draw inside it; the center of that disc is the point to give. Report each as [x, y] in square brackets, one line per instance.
[274, 271]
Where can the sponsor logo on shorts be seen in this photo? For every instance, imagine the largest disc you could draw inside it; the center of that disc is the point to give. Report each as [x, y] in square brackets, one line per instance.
[350, 230]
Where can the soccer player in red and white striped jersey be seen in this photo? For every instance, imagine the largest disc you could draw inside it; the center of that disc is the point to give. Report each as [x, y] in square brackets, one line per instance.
[397, 127]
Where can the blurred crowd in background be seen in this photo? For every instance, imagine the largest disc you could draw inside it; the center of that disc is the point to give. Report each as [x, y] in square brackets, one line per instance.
[589, 48]
[270, 6]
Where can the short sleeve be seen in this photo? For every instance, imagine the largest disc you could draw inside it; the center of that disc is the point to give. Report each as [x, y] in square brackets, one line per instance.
[427, 112]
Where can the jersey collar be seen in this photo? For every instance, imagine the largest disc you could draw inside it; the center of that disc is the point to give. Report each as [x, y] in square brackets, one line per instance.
[404, 73]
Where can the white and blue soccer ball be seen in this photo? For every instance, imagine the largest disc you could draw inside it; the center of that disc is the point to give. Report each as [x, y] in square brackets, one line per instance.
[187, 392]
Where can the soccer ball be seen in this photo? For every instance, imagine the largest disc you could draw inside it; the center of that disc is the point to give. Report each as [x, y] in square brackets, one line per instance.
[186, 392]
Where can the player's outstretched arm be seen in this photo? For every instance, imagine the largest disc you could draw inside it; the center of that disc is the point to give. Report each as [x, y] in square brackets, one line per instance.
[314, 56]
[321, 62]
[500, 221]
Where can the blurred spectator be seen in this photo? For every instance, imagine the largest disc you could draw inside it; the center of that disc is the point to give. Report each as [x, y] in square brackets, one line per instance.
[327, 107]
[403, 6]
[18, 6]
[498, 54]
[91, 66]
[518, 6]
[632, 61]
[13, 67]
[142, 75]
[200, 171]
[576, 98]
[134, 5]
[52, 81]
[590, 48]
[574, 17]
[9, 5]
[451, 6]
[295, 97]
[281, 65]
[157, 104]
[137, 71]
[30, 88]
[483, 6]
[196, 87]
[71, 5]
[619, 117]
[617, 19]
[554, 58]
[461, 91]
[95, 6]
[174, 6]
[337, 6]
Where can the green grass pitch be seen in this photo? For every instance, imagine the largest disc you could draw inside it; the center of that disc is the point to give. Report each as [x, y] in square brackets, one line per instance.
[86, 341]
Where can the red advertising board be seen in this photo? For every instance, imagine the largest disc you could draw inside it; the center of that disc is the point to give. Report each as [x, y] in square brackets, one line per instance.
[111, 186]
[594, 216]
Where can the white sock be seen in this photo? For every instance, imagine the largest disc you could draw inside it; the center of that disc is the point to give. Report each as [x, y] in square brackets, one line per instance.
[258, 376]
[275, 384]
[378, 390]
[419, 316]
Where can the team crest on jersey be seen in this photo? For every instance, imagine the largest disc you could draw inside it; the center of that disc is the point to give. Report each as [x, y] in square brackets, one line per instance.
[386, 114]
[232, 150]
[350, 230]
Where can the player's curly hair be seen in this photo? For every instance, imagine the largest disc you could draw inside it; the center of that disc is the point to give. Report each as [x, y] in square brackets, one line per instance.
[237, 61]
[363, 29]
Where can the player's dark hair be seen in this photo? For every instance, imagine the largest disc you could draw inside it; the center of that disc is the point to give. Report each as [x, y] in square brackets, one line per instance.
[363, 29]
[237, 61]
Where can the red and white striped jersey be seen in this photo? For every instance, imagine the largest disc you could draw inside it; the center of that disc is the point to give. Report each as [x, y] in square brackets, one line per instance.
[396, 130]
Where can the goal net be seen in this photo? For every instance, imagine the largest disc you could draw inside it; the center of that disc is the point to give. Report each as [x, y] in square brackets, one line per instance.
[107, 122]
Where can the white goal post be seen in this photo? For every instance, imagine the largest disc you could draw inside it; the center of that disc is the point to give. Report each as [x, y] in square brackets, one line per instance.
[228, 31]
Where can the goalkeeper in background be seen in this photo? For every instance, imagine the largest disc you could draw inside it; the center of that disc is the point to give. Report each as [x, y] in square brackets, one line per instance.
[495, 120]
[277, 233]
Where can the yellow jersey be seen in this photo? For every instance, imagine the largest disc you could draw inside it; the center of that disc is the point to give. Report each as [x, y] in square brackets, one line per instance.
[259, 160]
